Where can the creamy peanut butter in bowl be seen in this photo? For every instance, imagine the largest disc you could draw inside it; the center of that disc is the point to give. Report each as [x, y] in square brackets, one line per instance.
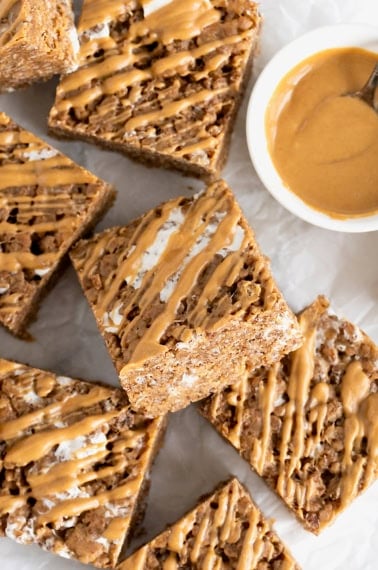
[315, 147]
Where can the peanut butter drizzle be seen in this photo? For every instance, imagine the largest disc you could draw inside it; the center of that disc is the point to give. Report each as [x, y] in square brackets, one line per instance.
[99, 12]
[320, 396]
[181, 259]
[108, 70]
[7, 366]
[14, 428]
[26, 384]
[150, 345]
[354, 390]
[226, 273]
[128, 489]
[173, 108]
[56, 171]
[116, 528]
[301, 373]
[236, 399]
[179, 532]
[74, 507]
[260, 446]
[178, 20]
[361, 411]
[251, 550]
[45, 385]
[8, 504]
[39, 444]
[170, 563]
[136, 561]
[66, 475]
[216, 528]
[14, 261]
[91, 46]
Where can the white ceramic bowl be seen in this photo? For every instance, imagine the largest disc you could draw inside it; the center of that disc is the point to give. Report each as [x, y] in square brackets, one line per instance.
[335, 36]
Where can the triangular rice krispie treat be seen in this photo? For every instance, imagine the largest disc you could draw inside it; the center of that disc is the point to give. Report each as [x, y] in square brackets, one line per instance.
[226, 531]
[160, 80]
[46, 203]
[74, 460]
[309, 424]
[184, 300]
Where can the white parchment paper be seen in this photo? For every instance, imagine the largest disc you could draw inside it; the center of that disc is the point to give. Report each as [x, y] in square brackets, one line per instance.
[306, 261]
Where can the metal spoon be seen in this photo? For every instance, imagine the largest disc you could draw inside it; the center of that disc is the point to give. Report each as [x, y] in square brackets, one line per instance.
[368, 90]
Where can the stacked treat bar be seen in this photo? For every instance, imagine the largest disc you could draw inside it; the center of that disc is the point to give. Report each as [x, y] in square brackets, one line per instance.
[183, 297]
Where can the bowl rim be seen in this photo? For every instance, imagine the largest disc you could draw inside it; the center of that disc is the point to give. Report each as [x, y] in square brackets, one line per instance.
[314, 41]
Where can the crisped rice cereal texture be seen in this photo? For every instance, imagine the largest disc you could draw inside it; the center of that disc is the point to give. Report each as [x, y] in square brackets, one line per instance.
[46, 203]
[225, 531]
[184, 300]
[309, 424]
[74, 460]
[38, 39]
[160, 83]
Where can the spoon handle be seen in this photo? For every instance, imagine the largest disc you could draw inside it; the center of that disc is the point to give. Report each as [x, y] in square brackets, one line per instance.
[368, 90]
[372, 82]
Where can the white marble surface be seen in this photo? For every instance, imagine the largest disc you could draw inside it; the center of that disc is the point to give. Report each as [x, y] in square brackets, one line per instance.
[305, 260]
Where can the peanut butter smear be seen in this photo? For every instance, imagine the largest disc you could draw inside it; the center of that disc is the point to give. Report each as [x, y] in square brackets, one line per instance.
[324, 144]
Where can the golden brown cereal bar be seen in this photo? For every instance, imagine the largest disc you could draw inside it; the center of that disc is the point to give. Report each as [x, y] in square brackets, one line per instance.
[184, 300]
[74, 460]
[225, 531]
[46, 203]
[160, 81]
[309, 424]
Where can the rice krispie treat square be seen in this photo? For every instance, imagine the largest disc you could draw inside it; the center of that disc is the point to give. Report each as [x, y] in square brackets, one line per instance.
[184, 300]
[160, 80]
[46, 203]
[309, 424]
[74, 460]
